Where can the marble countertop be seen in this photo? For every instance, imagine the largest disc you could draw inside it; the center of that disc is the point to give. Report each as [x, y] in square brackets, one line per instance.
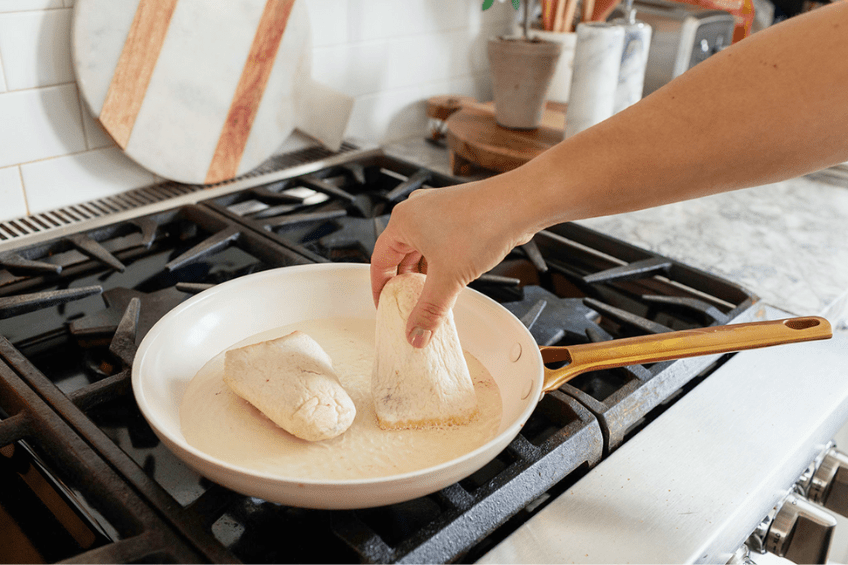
[786, 242]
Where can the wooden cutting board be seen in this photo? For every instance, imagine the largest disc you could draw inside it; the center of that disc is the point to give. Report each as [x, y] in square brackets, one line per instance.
[474, 138]
[199, 91]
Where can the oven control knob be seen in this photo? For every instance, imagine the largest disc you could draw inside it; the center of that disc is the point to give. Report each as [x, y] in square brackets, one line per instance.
[801, 531]
[829, 485]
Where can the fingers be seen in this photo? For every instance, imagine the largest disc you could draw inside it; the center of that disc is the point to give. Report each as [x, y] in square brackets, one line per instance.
[411, 264]
[393, 253]
[436, 300]
[397, 252]
[389, 254]
[419, 192]
[379, 278]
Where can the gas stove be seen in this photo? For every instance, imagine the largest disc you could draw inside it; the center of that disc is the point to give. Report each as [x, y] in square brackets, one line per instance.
[86, 480]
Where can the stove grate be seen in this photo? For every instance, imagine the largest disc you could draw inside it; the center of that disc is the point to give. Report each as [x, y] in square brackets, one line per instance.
[136, 532]
[342, 224]
[596, 286]
[634, 292]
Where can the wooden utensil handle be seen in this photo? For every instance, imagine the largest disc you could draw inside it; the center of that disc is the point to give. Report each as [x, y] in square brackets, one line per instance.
[677, 345]
[588, 10]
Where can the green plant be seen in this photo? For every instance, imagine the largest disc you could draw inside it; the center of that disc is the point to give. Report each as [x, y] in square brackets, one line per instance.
[488, 4]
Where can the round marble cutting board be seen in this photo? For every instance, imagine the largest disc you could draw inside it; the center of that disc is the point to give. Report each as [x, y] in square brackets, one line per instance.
[197, 91]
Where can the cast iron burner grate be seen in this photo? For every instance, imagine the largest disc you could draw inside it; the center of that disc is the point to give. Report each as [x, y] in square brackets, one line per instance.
[335, 214]
[561, 431]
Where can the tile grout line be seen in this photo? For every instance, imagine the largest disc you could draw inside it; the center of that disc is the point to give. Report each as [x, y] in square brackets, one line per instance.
[39, 87]
[33, 10]
[419, 34]
[23, 189]
[73, 154]
[418, 86]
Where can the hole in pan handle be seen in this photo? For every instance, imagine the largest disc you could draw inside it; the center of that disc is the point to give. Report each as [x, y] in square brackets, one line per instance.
[677, 345]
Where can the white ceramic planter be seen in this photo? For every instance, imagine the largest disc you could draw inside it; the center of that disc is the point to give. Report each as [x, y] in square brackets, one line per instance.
[521, 74]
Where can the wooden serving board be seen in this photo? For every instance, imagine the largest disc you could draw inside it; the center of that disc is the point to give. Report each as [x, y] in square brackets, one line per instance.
[197, 91]
[475, 139]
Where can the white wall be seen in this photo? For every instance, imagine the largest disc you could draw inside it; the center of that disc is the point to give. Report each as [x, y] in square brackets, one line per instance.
[391, 55]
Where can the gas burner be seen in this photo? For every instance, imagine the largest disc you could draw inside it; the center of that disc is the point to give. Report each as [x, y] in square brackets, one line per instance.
[355, 238]
[333, 214]
[99, 246]
[94, 328]
[99, 364]
[553, 320]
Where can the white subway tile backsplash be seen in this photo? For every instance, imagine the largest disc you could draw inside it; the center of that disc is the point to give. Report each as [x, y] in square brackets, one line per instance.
[27, 5]
[380, 19]
[354, 69]
[502, 12]
[370, 67]
[437, 57]
[40, 123]
[2, 77]
[336, 22]
[35, 47]
[328, 20]
[72, 179]
[390, 115]
[12, 201]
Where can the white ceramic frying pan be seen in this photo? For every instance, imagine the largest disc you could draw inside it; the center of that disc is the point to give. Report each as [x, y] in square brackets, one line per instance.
[210, 322]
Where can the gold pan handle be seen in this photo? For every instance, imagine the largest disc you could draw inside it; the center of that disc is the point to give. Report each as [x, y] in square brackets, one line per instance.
[677, 345]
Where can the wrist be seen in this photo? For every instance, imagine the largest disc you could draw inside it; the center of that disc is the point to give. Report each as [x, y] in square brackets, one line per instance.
[535, 197]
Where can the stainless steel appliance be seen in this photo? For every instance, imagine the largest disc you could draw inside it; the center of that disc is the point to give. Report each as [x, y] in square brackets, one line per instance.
[629, 454]
[683, 36]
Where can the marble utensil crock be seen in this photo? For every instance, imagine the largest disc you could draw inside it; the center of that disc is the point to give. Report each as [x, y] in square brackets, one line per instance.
[634, 62]
[610, 59]
[597, 60]
[521, 71]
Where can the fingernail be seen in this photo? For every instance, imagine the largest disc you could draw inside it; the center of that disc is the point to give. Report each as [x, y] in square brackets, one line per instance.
[420, 337]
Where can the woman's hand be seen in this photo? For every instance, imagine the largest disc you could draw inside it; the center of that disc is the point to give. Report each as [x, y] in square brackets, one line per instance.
[454, 235]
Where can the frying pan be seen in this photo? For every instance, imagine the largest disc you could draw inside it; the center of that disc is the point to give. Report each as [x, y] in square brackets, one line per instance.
[200, 328]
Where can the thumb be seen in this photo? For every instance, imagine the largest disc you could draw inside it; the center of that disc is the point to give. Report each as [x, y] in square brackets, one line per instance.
[436, 300]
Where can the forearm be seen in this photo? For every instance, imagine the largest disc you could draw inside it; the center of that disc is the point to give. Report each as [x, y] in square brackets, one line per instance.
[771, 107]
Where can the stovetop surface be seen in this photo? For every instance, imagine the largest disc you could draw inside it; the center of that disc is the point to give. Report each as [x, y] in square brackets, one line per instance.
[73, 308]
[692, 486]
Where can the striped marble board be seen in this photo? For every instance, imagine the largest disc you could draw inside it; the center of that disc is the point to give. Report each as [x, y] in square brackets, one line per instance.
[201, 91]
